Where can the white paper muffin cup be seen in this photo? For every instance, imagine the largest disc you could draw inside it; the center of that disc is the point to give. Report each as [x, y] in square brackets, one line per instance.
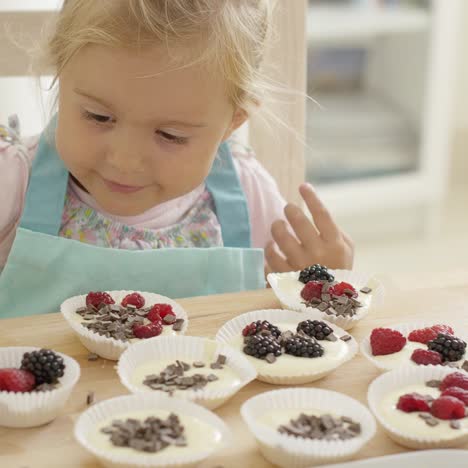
[294, 300]
[294, 452]
[189, 349]
[110, 348]
[405, 329]
[34, 408]
[100, 412]
[301, 375]
[399, 379]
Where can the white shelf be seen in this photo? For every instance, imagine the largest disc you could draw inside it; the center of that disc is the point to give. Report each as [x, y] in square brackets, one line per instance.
[339, 23]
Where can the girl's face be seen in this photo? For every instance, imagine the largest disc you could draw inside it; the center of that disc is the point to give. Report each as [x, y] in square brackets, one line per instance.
[134, 134]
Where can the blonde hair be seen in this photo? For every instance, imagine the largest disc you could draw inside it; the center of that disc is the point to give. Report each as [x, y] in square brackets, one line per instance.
[230, 34]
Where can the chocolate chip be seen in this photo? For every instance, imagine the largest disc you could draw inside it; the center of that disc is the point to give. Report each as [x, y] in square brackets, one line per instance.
[90, 398]
[93, 357]
[345, 338]
[424, 415]
[433, 383]
[169, 319]
[270, 358]
[366, 290]
[178, 325]
[432, 421]
[198, 364]
[455, 424]
[324, 427]
[151, 435]
[221, 359]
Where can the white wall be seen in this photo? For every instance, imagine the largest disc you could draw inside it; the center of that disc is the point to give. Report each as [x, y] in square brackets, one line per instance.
[461, 106]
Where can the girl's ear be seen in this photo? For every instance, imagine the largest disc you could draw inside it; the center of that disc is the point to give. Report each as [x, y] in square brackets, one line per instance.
[239, 117]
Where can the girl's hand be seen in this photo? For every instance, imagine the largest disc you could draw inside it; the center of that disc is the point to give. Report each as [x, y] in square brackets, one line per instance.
[317, 241]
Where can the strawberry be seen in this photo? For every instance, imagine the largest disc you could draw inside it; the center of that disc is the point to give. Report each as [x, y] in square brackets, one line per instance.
[16, 380]
[159, 311]
[134, 299]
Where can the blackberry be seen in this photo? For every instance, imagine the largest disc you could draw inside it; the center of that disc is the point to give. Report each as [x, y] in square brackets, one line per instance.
[261, 325]
[46, 365]
[259, 346]
[301, 346]
[315, 329]
[314, 273]
[450, 347]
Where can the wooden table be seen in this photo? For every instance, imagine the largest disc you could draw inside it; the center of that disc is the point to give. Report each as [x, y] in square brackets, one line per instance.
[53, 445]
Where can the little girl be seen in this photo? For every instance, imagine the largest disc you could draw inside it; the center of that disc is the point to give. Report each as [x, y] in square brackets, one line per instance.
[137, 183]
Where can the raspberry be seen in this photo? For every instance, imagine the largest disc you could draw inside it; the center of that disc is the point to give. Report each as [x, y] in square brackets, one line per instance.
[457, 392]
[95, 299]
[311, 290]
[343, 288]
[386, 341]
[259, 326]
[424, 357]
[456, 379]
[423, 335]
[159, 310]
[148, 331]
[448, 407]
[16, 380]
[413, 402]
[443, 329]
[134, 299]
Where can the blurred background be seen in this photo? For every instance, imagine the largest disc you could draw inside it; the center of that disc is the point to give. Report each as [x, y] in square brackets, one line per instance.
[386, 130]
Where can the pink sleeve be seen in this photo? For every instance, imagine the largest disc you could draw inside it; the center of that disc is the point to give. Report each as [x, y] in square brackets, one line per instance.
[15, 163]
[263, 196]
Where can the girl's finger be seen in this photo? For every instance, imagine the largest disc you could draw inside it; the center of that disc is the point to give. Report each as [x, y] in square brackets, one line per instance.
[303, 227]
[276, 262]
[320, 214]
[288, 244]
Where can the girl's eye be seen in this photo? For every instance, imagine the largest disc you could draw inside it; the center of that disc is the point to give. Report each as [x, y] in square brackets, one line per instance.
[97, 117]
[172, 138]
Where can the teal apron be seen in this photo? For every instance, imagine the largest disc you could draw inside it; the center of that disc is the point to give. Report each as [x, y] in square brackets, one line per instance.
[43, 269]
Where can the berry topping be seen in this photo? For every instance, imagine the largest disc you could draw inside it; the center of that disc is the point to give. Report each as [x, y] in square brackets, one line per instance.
[413, 402]
[159, 311]
[148, 331]
[261, 326]
[315, 329]
[313, 289]
[301, 346]
[423, 335]
[386, 341]
[450, 347]
[448, 407]
[135, 299]
[46, 366]
[16, 380]
[425, 357]
[456, 379]
[457, 392]
[315, 272]
[443, 329]
[259, 346]
[343, 288]
[96, 299]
